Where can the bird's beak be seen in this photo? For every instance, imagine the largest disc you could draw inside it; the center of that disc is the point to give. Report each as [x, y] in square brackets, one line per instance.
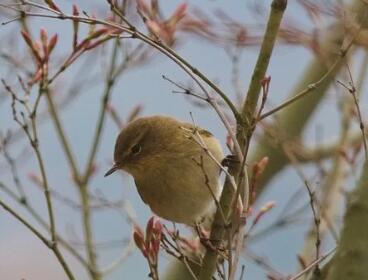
[112, 170]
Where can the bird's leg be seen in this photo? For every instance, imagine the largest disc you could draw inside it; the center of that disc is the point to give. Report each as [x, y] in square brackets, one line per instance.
[206, 241]
[230, 161]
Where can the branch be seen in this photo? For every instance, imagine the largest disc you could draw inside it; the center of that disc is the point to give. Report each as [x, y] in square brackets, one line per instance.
[61, 134]
[335, 179]
[130, 29]
[294, 119]
[352, 252]
[26, 224]
[101, 118]
[32, 135]
[326, 150]
[248, 111]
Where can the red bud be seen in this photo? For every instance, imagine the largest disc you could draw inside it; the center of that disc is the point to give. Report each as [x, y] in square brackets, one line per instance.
[52, 5]
[178, 14]
[52, 43]
[139, 239]
[142, 6]
[75, 10]
[267, 207]
[260, 166]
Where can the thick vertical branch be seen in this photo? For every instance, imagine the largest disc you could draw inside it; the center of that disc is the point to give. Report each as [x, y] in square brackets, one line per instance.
[334, 181]
[294, 118]
[351, 256]
[250, 103]
[245, 131]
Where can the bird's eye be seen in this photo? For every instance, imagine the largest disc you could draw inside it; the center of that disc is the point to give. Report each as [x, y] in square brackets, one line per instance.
[136, 149]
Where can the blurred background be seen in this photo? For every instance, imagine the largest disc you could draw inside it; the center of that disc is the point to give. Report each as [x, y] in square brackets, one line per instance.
[78, 91]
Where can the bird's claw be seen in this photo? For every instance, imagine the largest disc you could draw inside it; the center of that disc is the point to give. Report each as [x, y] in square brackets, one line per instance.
[230, 161]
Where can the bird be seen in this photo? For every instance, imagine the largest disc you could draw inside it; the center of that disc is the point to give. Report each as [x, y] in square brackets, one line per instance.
[175, 165]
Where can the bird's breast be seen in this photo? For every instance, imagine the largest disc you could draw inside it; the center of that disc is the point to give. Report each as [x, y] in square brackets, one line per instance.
[179, 191]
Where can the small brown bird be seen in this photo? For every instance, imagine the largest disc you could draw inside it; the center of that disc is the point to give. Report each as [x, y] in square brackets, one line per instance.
[172, 169]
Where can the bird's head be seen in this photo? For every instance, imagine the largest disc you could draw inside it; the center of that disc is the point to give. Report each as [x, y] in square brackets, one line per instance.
[139, 145]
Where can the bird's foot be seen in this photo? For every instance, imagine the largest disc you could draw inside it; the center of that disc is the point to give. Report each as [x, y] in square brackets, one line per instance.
[230, 161]
[206, 241]
[211, 244]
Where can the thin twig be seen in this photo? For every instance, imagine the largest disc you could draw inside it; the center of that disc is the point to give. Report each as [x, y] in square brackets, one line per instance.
[130, 29]
[352, 90]
[110, 80]
[312, 200]
[32, 136]
[312, 265]
[39, 219]
[310, 88]
[26, 224]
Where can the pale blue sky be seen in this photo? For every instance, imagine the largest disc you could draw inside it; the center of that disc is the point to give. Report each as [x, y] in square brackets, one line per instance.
[145, 85]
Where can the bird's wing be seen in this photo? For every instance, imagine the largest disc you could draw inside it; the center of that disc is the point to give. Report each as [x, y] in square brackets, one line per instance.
[201, 131]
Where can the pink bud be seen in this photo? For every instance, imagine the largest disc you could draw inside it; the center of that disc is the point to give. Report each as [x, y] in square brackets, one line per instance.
[135, 112]
[44, 43]
[260, 166]
[265, 83]
[155, 245]
[27, 38]
[229, 141]
[266, 80]
[37, 45]
[139, 238]
[37, 77]
[110, 108]
[35, 50]
[52, 5]
[95, 44]
[149, 228]
[43, 36]
[75, 10]
[154, 8]
[172, 22]
[35, 178]
[264, 209]
[153, 27]
[142, 6]
[153, 230]
[94, 168]
[98, 33]
[179, 13]
[241, 36]
[157, 226]
[268, 206]
[52, 43]
[82, 45]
